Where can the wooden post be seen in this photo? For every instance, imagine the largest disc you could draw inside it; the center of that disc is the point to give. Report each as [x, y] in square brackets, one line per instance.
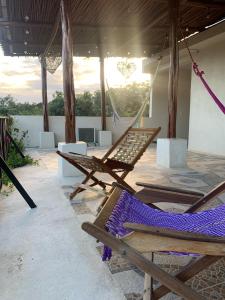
[174, 67]
[68, 81]
[44, 95]
[103, 98]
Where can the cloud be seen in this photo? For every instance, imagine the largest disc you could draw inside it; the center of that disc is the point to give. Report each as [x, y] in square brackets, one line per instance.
[21, 77]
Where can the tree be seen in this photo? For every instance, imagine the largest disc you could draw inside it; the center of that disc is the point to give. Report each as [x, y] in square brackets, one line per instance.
[127, 99]
[56, 106]
[8, 106]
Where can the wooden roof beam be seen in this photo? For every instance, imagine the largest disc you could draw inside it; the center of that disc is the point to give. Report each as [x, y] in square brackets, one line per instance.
[199, 3]
[206, 4]
[6, 23]
[90, 45]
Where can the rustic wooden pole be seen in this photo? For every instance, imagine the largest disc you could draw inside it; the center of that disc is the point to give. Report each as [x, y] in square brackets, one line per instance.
[68, 81]
[44, 95]
[103, 98]
[174, 67]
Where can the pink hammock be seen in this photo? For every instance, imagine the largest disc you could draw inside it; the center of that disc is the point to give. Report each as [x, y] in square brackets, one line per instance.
[211, 93]
[200, 74]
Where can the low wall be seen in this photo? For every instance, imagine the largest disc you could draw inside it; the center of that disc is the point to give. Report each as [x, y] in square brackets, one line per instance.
[34, 125]
[57, 125]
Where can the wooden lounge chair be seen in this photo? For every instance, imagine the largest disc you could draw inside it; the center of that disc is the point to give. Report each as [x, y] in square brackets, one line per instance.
[121, 157]
[144, 238]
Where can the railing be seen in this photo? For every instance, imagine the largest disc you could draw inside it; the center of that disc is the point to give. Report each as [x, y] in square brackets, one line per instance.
[4, 141]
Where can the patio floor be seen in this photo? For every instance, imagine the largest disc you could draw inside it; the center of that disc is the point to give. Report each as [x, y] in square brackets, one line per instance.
[44, 253]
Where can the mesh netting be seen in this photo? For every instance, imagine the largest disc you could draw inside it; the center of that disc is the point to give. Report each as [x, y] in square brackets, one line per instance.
[52, 57]
[51, 62]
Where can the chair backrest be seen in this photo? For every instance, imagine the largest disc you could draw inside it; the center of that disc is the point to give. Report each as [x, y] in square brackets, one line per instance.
[131, 147]
[219, 189]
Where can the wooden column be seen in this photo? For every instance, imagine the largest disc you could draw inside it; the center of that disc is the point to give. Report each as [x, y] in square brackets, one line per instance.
[68, 81]
[174, 67]
[103, 96]
[44, 95]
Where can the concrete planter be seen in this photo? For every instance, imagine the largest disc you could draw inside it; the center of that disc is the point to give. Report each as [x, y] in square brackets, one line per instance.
[65, 169]
[172, 153]
[105, 138]
[47, 140]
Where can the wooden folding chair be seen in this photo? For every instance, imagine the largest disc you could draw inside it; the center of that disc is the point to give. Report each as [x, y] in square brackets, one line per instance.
[145, 239]
[121, 157]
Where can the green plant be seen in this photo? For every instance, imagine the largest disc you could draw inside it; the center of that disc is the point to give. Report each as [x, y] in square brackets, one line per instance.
[14, 159]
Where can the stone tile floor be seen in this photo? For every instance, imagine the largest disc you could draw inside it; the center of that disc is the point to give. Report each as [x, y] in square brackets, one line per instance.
[202, 173]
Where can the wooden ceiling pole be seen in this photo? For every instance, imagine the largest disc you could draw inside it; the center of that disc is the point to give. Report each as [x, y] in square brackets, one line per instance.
[44, 95]
[174, 67]
[67, 63]
[102, 84]
[44, 75]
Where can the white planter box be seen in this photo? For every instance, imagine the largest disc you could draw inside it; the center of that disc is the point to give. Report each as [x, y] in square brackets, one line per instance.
[172, 153]
[65, 169]
[105, 138]
[47, 140]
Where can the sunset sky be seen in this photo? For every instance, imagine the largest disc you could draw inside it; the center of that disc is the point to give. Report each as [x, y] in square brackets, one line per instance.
[20, 77]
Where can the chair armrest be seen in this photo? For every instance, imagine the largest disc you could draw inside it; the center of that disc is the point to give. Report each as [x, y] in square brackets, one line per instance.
[171, 189]
[183, 235]
[148, 195]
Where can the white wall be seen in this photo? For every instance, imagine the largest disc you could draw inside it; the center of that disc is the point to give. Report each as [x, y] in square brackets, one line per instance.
[56, 123]
[160, 102]
[207, 122]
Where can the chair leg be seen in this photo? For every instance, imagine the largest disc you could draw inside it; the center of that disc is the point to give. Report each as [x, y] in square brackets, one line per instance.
[172, 283]
[187, 272]
[78, 189]
[148, 283]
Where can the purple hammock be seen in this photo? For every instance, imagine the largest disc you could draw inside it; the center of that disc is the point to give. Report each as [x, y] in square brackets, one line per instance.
[130, 209]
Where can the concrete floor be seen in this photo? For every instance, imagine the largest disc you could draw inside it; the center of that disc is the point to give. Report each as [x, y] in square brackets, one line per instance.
[44, 253]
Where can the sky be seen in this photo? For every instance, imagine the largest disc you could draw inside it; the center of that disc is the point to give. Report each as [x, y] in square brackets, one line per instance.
[21, 76]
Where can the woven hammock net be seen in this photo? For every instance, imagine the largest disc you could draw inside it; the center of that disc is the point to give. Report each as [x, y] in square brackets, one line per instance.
[52, 60]
[127, 67]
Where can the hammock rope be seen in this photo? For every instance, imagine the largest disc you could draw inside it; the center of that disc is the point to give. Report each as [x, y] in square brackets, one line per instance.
[199, 73]
[136, 120]
[141, 111]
